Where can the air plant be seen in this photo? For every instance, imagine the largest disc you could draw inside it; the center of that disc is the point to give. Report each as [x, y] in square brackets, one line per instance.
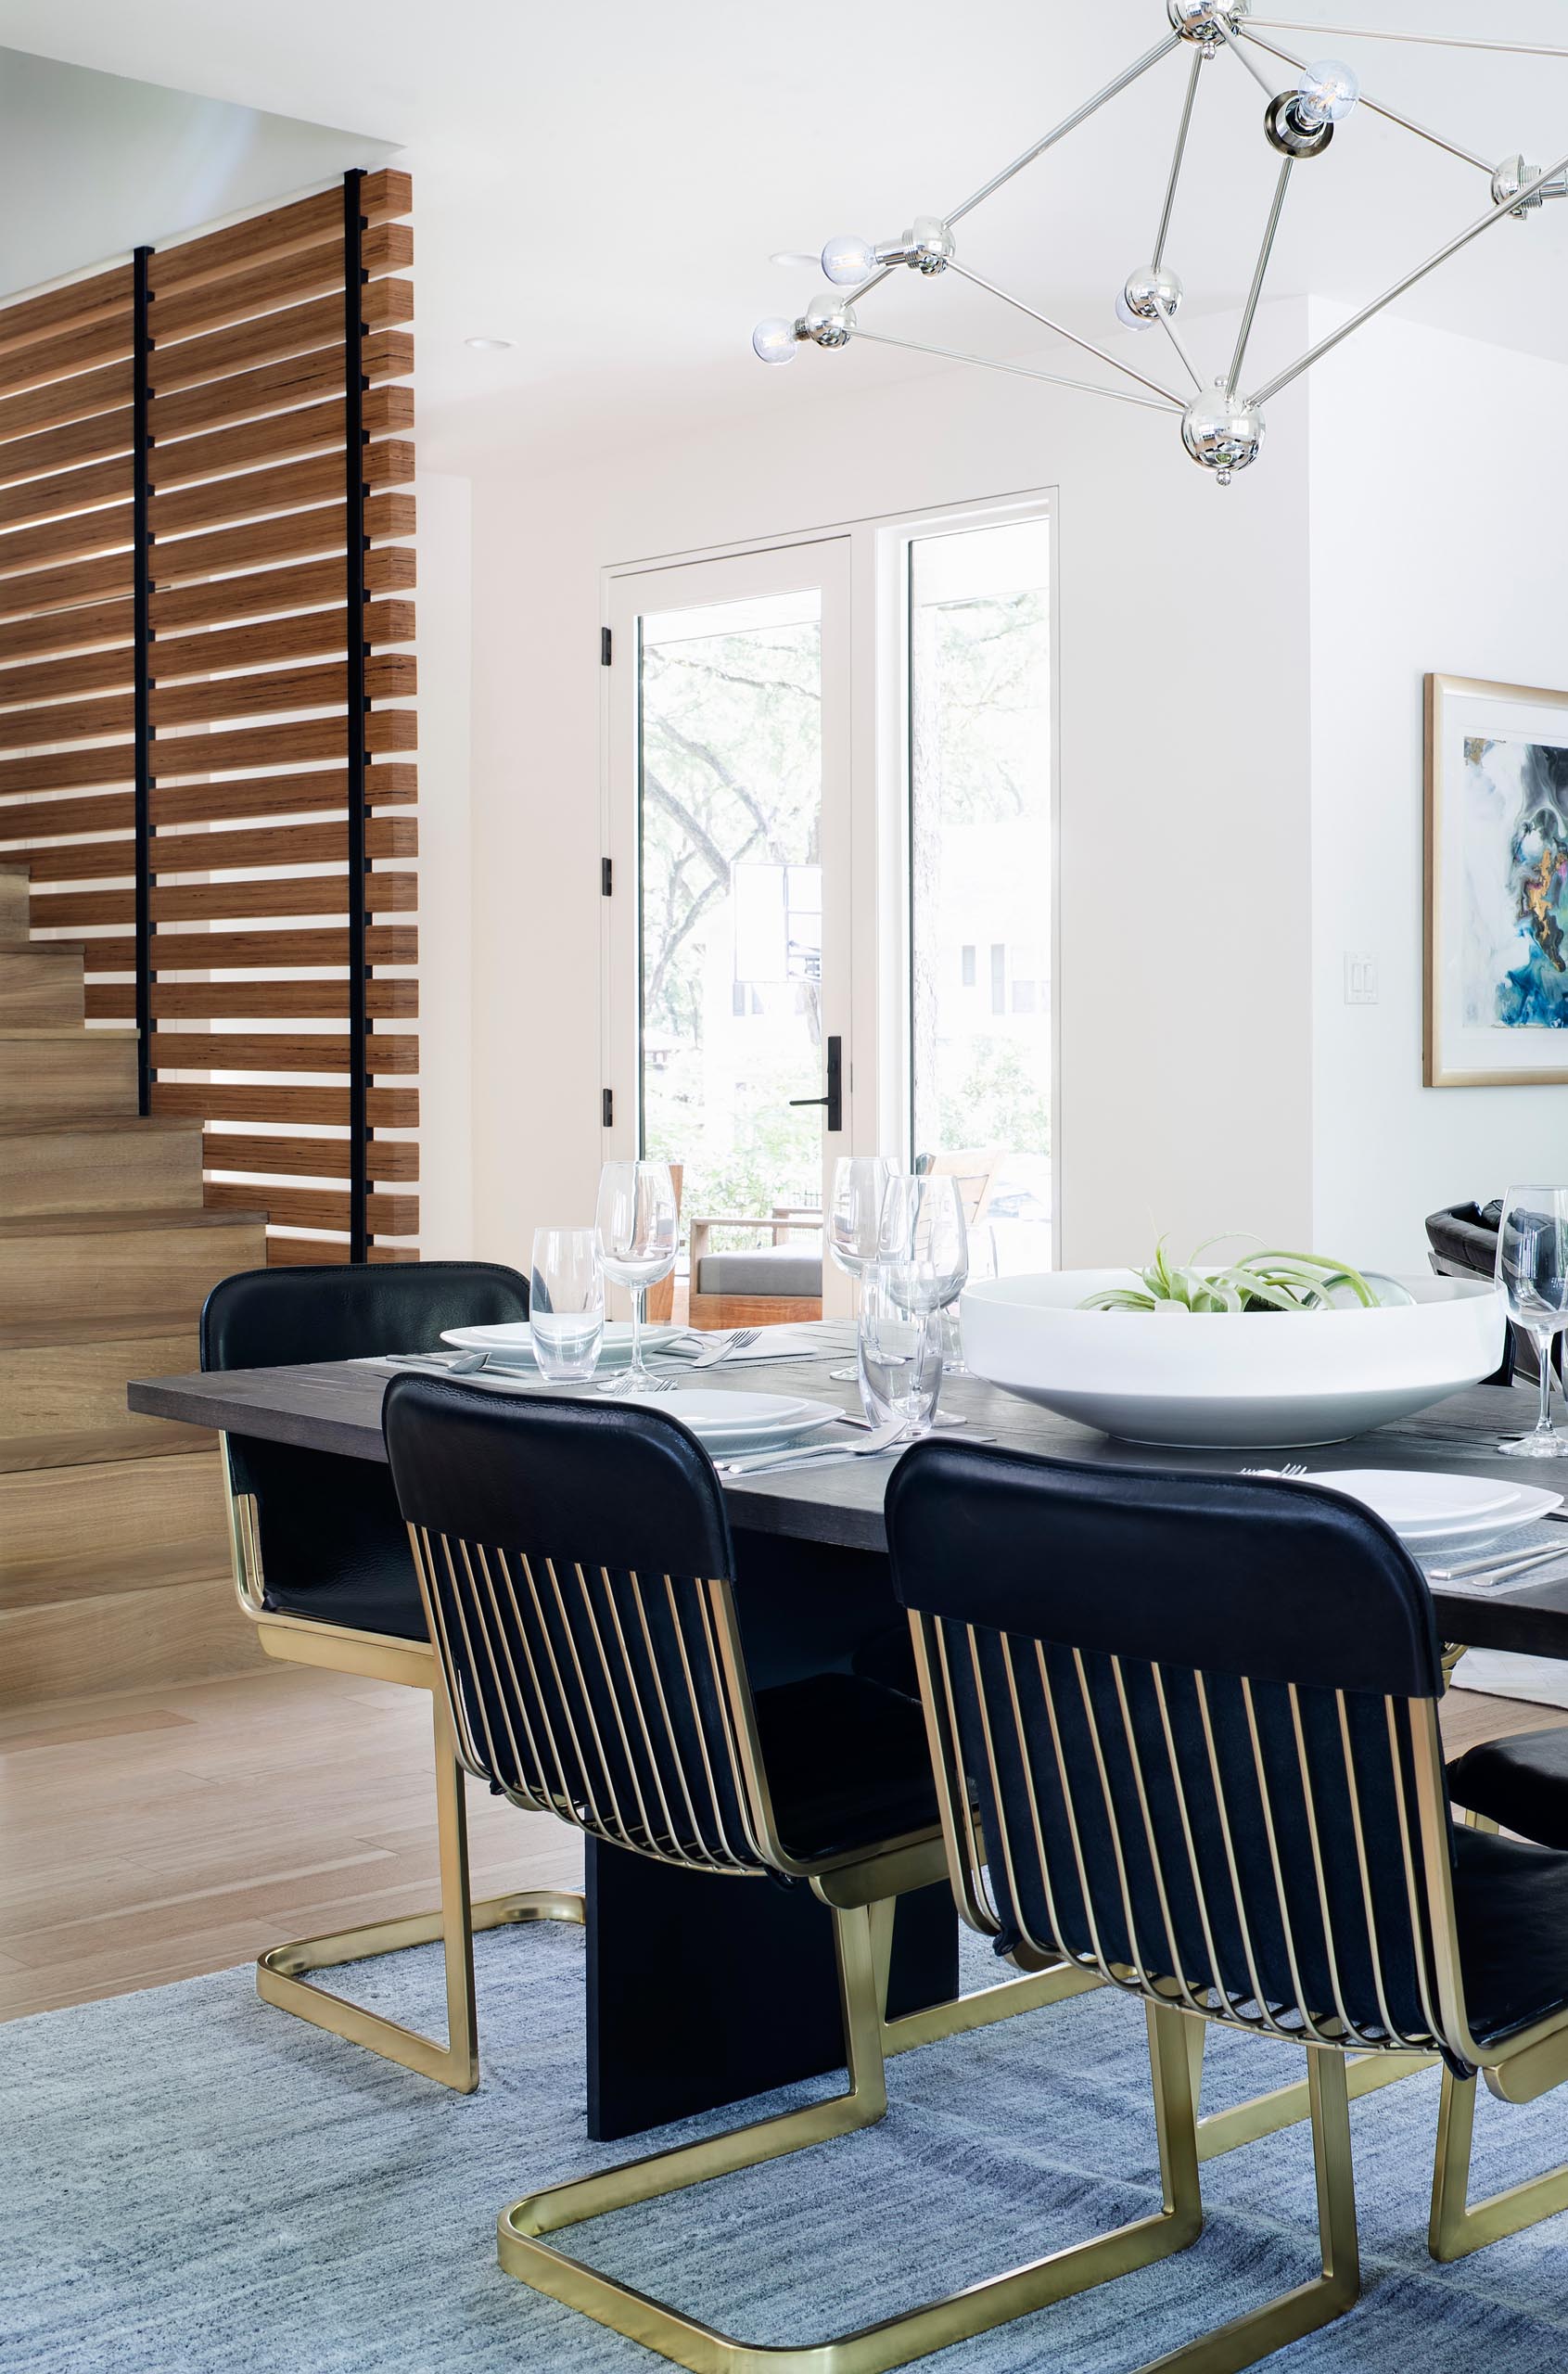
[1268, 1281]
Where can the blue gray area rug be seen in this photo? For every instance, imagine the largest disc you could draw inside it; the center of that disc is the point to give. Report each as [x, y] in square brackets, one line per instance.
[191, 2183]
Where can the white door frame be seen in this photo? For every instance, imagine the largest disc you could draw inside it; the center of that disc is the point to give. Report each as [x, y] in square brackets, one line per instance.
[877, 648]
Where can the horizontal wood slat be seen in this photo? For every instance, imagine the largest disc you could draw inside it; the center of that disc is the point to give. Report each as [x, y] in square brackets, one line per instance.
[262, 642]
[76, 538]
[202, 803]
[270, 691]
[271, 338]
[286, 1252]
[282, 280]
[259, 746]
[99, 622]
[309, 894]
[62, 449]
[295, 535]
[316, 1051]
[325, 844]
[383, 194]
[389, 570]
[46, 498]
[294, 949]
[316, 1207]
[57, 309]
[57, 589]
[277, 437]
[296, 1106]
[69, 770]
[392, 1159]
[22, 729]
[50, 679]
[272, 386]
[269, 1000]
[66, 400]
[289, 486]
[47, 361]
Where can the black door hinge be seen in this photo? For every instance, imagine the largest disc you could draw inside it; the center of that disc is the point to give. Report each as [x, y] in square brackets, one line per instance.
[610, 1108]
[606, 878]
[603, 646]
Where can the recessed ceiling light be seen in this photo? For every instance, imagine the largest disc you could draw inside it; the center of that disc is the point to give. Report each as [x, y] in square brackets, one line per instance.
[490, 345]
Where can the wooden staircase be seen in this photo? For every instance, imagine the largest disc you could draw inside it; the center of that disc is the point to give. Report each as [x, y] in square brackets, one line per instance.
[114, 1567]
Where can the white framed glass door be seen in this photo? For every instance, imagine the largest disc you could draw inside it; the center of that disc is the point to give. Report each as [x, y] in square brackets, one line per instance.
[729, 949]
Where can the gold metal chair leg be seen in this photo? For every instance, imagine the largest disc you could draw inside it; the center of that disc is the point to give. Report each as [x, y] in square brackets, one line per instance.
[456, 2063]
[1286, 2105]
[1456, 2229]
[895, 2340]
[967, 2012]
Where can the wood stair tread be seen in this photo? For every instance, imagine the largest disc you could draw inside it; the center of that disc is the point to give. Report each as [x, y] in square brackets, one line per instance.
[130, 1220]
[106, 1447]
[27, 1335]
[26, 1125]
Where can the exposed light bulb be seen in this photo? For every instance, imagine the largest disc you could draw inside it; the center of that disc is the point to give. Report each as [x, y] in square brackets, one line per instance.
[847, 260]
[774, 341]
[1127, 318]
[1326, 93]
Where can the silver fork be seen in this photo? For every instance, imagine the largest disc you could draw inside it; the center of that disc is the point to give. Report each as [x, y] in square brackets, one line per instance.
[735, 1342]
[1296, 1467]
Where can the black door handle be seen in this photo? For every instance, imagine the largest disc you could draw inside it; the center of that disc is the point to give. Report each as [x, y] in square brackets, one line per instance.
[834, 1100]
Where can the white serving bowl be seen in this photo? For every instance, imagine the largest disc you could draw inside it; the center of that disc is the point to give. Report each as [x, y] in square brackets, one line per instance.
[1253, 1381]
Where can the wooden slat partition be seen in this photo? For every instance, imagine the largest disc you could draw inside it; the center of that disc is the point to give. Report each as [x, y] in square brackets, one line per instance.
[206, 678]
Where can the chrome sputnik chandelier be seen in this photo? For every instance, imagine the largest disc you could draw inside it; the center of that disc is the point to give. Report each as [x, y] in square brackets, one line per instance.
[1222, 423]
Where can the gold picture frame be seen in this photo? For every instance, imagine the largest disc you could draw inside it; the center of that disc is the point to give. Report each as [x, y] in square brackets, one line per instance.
[1496, 753]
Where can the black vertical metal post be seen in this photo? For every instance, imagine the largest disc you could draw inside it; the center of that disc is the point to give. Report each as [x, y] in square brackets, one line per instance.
[353, 447]
[141, 611]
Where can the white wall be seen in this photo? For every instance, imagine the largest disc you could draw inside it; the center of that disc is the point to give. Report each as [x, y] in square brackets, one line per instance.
[445, 646]
[1185, 1089]
[1440, 519]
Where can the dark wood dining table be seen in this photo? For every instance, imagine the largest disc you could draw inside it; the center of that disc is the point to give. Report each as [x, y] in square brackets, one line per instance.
[700, 1998]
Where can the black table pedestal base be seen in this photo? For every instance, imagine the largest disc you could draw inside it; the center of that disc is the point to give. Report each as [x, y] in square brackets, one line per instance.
[703, 1991]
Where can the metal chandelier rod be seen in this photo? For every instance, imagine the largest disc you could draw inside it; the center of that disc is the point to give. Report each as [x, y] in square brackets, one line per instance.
[1222, 427]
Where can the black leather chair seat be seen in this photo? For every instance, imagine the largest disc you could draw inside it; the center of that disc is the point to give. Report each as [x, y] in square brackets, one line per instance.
[1510, 1904]
[847, 1762]
[1521, 1782]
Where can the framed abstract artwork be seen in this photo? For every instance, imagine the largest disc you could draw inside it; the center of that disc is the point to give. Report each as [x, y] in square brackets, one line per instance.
[1496, 884]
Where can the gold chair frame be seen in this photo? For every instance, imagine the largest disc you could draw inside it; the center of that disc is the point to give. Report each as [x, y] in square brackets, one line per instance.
[1517, 2068]
[281, 1971]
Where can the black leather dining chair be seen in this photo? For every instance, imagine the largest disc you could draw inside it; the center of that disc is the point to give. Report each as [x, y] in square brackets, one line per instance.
[1185, 1729]
[322, 1566]
[577, 1572]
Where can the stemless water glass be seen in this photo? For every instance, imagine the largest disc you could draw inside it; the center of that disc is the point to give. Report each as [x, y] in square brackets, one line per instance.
[1533, 1270]
[900, 1353]
[635, 1225]
[566, 1303]
[854, 1220]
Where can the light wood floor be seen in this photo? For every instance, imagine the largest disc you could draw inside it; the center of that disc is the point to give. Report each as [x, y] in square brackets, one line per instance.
[163, 1832]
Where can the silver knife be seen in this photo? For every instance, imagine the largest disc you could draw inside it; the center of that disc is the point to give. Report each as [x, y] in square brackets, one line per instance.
[793, 1455]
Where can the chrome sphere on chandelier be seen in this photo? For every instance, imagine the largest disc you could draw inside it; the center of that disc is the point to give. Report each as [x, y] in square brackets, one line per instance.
[1222, 424]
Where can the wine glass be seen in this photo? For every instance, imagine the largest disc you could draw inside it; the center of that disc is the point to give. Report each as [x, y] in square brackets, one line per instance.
[1532, 1271]
[566, 1303]
[635, 1225]
[854, 1220]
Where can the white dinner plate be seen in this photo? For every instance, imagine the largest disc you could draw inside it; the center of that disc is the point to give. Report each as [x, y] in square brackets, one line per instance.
[1431, 1506]
[740, 1419]
[511, 1345]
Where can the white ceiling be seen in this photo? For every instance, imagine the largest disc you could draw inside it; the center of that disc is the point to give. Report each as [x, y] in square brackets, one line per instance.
[603, 184]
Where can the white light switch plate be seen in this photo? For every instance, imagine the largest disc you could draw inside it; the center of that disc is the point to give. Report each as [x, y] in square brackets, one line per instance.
[1360, 979]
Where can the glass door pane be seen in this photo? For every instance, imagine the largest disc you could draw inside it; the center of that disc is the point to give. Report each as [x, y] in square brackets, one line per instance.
[980, 872]
[732, 900]
[729, 965]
